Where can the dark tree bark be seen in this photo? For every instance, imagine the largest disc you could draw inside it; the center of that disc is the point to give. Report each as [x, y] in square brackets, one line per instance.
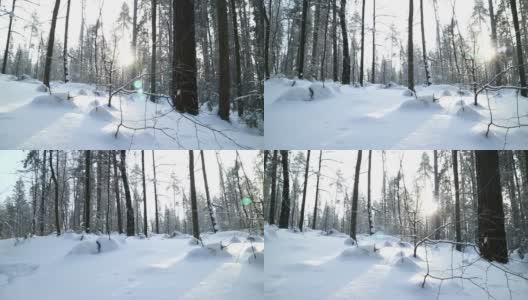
[353, 215]
[155, 192]
[87, 189]
[345, 79]
[369, 206]
[116, 191]
[374, 43]
[130, 228]
[238, 71]
[285, 207]
[457, 203]
[208, 198]
[65, 50]
[334, 42]
[314, 221]
[184, 89]
[8, 41]
[51, 43]
[492, 235]
[43, 195]
[99, 191]
[410, 51]
[154, 57]
[300, 59]
[307, 169]
[273, 196]
[436, 195]
[424, 48]
[267, 21]
[494, 43]
[194, 205]
[56, 185]
[520, 56]
[362, 62]
[145, 224]
[223, 57]
[315, 39]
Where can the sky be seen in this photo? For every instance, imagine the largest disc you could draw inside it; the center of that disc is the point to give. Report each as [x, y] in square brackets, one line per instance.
[345, 161]
[176, 161]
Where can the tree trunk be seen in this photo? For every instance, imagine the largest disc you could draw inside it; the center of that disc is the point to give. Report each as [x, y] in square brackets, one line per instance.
[153, 58]
[424, 48]
[155, 192]
[315, 39]
[238, 78]
[457, 203]
[184, 89]
[362, 62]
[410, 52]
[65, 53]
[307, 169]
[285, 208]
[87, 191]
[353, 216]
[373, 79]
[56, 184]
[496, 63]
[208, 198]
[145, 224]
[43, 195]
[520, 57]
[334, 43]
[8, 41]
[116, 190]
[223, 57]
[273, 196]
[345, 79]
[130, 229]
[436, 196]
[300, 59]
[194, 205]
[98, 194]
[369, 206]
[51, 42]
[314, 221]
[267, 38]
[492, 235]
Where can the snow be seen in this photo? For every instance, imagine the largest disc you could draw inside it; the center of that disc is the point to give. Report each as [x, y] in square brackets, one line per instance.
[156, 268]
[76, 117]
[311, 265]
[379, 116]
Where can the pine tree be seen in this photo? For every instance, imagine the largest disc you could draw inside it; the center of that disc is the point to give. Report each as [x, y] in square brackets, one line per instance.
[285, 208]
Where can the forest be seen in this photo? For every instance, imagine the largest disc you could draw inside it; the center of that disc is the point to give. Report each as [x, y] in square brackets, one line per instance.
[452, 223]
[182, 209]
[397, 61]
[192, 62]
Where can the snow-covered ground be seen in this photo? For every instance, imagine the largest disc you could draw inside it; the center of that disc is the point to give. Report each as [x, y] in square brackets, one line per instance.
[30, 120]
[157, 268]
[314, 266]
[344, 117]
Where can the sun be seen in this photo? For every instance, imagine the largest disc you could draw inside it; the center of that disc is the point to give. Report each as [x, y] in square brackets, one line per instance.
[125, 56]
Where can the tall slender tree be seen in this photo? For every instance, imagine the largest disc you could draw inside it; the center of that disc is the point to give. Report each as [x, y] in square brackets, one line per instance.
[117, 192]
[208, 198]
[410, 52]
[145, 224]
[355, 192]
[318, 176]
[300, 59]
[65, 50]
[369, 205]
[345, 77]
[424, 48]
[194, 205]
[8, 40]
[223, 57]
[130, 228]
[457, 203]
[155, 182]
[87, 189]
[51, 44]
[56, 190]
[519, 46]
[285, 208]
[273, 196]
[305, 187]
[362, 60]
[238, 71]
[153, 61]
[494, 42]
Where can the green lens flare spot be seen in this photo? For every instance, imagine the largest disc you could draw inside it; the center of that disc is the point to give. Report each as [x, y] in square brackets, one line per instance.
[246, 201]
[138, 84]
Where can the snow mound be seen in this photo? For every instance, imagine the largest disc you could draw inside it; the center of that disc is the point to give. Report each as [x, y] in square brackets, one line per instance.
[315, 91]
[446, 93]
[101, 245]
[178, 235]
[71, 236]
[360, 252]
[468, 113]
[257, 259]
[403, 244]
[350, 242]
[10, 271]
[421, 103]
[215, 250]
[387, 244]
[408, 93]
[463, 92]
[194, 242]
[255, 238]
[82, 92]
[334, 232]
[234, 240]
[394, 85]
[270, 232]
[405, 263]
[101, 113]
[42, 89]
[52, 101]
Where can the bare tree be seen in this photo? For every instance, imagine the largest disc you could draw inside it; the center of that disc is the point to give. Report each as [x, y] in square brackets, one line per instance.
[353, 215]
[51, 44]
[410, 52]
[145, 224]
[208, 198]
[65, 50]
[129, 209]
[223, 57]
[285, 208]
[305, 187]
[194, 205]
[56, 189]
